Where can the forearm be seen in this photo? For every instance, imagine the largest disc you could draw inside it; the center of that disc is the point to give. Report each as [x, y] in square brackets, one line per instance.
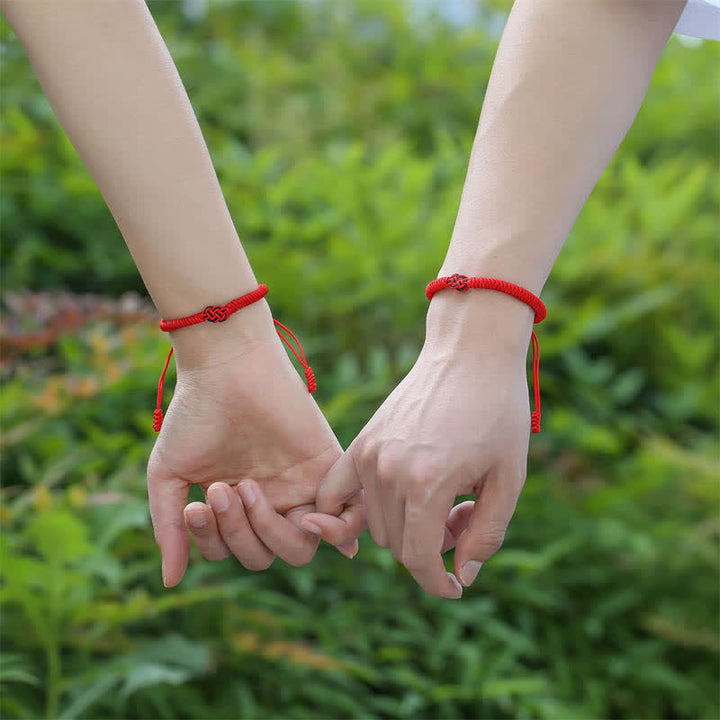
[114, 88]
[568, 79]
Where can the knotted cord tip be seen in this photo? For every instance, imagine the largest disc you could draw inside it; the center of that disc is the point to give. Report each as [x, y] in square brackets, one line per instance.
[310, 377]
[157, 419]
[535, 421]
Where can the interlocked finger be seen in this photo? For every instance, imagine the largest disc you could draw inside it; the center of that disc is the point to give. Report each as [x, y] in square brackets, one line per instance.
[282, 537]
[235, 528]
[201, 523]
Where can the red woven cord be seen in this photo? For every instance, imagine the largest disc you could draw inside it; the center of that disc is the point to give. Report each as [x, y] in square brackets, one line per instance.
[535, 417]
[216, 313]
[220, 313]
[158, 413]
[309, 374]
[462, 283]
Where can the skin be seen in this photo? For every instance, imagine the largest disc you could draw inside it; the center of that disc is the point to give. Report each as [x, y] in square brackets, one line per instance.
[567, 82]
[241, 414]
[566, 85]
[232, 440]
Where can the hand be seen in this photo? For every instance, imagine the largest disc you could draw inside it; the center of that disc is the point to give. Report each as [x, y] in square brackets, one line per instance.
[246, 416]
[458, 423]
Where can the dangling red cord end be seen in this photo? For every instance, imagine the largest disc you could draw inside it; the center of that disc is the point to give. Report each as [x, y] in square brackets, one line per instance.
[535, 417]
[157, 419]
[309, 374]
[310, 377]
[158, 413]
[462, 283]
[220, 313]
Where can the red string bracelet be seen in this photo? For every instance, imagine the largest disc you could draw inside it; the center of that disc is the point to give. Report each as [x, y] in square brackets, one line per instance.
[220, 313]
[461, 283]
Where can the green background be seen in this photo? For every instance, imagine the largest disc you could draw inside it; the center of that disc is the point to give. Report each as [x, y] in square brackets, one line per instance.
[340, 133]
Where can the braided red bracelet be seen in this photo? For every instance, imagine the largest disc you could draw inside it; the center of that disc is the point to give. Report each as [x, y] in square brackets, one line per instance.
[220, 313]
[461, 283]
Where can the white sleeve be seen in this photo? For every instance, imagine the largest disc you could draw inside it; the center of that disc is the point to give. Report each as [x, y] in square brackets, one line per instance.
[701, 18]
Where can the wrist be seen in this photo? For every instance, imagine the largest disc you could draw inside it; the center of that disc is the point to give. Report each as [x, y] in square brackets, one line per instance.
[480, 322]
[207, 344]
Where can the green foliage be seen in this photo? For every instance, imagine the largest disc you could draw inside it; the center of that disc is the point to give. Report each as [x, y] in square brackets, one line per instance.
[341, 134]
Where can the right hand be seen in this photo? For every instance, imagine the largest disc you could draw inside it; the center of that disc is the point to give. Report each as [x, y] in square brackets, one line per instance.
[457, 424]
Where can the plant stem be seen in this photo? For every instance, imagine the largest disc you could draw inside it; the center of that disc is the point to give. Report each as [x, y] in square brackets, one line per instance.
[52, 652]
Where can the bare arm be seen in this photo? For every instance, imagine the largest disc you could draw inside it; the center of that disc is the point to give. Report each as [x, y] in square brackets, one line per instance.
[239, 410]
[567, 82]
[114, 88]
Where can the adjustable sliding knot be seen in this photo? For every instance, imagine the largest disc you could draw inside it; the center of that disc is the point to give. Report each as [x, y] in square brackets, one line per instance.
[218, 314]
[461, 283]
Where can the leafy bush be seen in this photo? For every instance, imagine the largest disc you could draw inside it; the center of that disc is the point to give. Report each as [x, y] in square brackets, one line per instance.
[604, 601]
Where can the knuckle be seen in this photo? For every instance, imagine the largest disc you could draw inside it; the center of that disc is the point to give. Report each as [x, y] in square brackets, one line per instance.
[237, 537]
[430, 471]
[386, 466]
[418, 488]
[379, 538]
[174, 525]
[257, 523]
[362, 454]
[519, 481]
[327, 498]
[411, 560]
[490, 540]
[383, 477]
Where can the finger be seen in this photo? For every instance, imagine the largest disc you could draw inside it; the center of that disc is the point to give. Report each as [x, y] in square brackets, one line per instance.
[341, 484]
[391, 502]
[375, 516]
[485, 532]
[287, 540]
[200, 521]
[167, 499]
[341, 530]
[457, 521]
[425, 520]
[235, 528]
[350, 550]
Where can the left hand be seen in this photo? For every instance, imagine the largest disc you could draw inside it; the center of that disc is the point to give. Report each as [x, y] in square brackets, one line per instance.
[242, 421]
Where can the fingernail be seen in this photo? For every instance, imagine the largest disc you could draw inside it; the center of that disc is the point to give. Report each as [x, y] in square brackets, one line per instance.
[458, 587]
[247, 495]
[219, 500]
[162, 572]
[350, 550]
[469, 572]
[311, 527]
[198, 519]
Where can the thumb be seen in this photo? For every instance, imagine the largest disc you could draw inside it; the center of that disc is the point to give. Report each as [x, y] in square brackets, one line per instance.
[485, 532]
[339, 501]
[168, 497]
[339, 485]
